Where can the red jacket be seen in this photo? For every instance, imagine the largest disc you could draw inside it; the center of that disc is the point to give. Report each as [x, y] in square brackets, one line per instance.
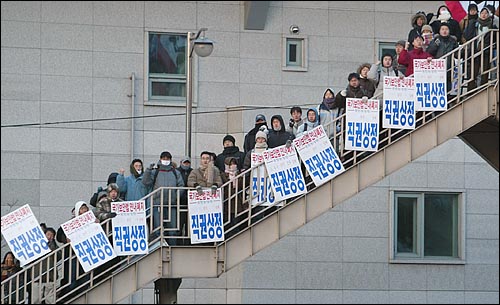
[406, 58]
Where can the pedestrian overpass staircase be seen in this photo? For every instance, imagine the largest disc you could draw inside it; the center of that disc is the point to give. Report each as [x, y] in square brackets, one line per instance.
[472, 115]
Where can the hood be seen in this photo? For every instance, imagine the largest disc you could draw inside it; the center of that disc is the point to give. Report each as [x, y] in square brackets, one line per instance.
[331, 91]
[132, 168]
[112, 178]
[78, 205]
[280, 118]
[317, 115]
[414, 19]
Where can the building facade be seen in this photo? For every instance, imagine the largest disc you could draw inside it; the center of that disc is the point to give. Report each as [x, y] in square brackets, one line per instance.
[81, 97]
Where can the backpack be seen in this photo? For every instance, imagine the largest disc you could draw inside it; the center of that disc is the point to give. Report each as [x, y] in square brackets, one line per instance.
[156, 175]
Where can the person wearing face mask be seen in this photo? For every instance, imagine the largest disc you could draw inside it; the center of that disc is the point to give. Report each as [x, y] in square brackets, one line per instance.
[132, 185]
[164, 174]
[444, 16]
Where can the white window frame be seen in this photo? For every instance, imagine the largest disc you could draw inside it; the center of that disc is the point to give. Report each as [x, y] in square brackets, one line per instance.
[385, 45]
[304, 51]
[167, 100]
[418, 258]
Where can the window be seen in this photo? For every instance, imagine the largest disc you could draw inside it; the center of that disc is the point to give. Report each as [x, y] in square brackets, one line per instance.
[427, 226]
[295, 53]
[167, 67]
[386, 47]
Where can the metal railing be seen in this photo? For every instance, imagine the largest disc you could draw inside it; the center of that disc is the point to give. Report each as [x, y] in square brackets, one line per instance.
[60, 275]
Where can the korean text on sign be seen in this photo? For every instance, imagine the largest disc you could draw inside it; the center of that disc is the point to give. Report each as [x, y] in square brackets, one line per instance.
[430, 85]
[129, 228]
[24, 236]
[362, 121]
[205, 216]
[318, 155]
[88, 240]
[283, 167]
[399, 106]
[262, 192]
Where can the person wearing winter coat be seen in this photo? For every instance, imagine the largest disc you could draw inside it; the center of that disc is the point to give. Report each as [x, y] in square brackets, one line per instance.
[277, 135]
[417, 22]
[407, 57]
[132, 185]
[379, 70]
[312, 121]
[442, 44]
[230, 150]
[164, 174]
[330, 109]
[249, 144]
[476, 28]
[444, 16]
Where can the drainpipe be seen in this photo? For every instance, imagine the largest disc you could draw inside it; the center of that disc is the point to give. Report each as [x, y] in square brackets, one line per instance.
[132, 125]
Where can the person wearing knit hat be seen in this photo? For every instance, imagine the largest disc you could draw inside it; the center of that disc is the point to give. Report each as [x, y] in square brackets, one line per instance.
[427, 35]
[260, 147]
[230, 150]
[260, 134]
[249, 141]
[228, 141]
[481, 63]
[353, 75]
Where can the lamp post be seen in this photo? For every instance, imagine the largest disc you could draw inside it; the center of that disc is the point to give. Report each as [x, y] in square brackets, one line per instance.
[203, 47]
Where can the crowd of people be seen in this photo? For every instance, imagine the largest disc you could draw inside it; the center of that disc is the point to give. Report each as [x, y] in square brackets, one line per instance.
[426, 40]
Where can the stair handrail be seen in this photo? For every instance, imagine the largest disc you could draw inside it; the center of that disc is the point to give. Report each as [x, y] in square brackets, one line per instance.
[61, 259]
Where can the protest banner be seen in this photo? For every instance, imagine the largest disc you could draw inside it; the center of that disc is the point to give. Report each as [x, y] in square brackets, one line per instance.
[129, 228]
[430, 85]
[205, 216]
[88, 241]
[399, 106]
[362, 121]
[318, 155]
[23, 234]
[284, 172]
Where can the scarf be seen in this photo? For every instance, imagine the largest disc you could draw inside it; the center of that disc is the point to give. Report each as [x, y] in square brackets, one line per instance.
[484, 25]
[329, 102]
[260, 147]
[232, 171]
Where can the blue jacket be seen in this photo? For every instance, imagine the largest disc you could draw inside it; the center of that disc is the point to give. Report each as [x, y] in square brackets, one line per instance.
[133, 187]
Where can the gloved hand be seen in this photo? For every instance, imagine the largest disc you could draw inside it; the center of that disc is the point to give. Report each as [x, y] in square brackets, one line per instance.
[151, 165]
[365, 99]
[199, 190]
[112, 214]
[214, 189]
[291, 123]
[288, 143]
[343, 93]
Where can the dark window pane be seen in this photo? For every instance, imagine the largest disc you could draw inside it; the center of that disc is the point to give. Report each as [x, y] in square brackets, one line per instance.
[293, 53]
[406, 225]
[168, 89]
[167, 53]
[441, 225]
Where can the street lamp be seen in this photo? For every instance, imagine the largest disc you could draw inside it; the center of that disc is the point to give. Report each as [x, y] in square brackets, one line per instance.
[203, 47]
